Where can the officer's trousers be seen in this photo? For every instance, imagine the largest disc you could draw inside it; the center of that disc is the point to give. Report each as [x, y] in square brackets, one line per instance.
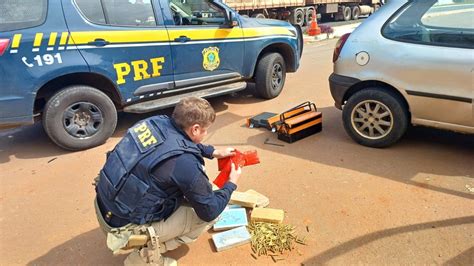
[183, 226]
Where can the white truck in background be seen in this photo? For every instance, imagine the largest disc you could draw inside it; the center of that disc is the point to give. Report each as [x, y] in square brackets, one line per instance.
[301, 11]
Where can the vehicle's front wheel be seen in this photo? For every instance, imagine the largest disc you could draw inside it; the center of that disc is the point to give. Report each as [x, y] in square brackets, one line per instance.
[270, 75]
[375, 117]
[79, 117]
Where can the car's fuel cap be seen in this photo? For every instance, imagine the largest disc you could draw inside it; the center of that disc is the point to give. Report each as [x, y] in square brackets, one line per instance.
[362, 58]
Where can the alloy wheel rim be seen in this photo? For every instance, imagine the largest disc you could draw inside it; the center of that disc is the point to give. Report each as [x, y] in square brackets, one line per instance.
[82, 120]
[372, 119]
[277, 77]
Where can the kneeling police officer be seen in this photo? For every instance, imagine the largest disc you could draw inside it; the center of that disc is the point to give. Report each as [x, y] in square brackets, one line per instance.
[153, 193]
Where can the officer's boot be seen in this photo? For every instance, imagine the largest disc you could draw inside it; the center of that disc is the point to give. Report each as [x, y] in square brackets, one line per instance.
[146, 256]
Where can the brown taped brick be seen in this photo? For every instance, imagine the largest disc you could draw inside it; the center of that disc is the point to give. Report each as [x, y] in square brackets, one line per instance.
[262, 201]
[243, 199]
[267, 215]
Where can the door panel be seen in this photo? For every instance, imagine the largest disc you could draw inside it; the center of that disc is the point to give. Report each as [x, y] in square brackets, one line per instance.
[127, 42]
[439, 83]
[203, 47]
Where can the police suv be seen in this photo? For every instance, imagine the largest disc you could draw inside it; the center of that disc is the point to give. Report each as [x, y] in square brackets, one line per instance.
[75, 63]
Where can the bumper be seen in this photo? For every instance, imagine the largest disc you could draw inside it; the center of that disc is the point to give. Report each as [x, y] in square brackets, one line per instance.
[339, 85]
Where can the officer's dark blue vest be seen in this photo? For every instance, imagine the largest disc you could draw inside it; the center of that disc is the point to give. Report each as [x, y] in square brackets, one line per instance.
[126, 188]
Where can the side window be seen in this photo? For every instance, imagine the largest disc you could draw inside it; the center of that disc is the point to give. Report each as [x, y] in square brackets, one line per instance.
[196, 12]
[20, 14]
[441, 23]
[118, 12]
[92, 10]
[449, 15]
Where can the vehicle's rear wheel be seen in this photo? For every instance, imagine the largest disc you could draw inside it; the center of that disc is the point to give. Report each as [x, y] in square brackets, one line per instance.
[346, 13]
[79, 117]
[355, 12]
[375, 117]
[270, 75]
[309, 16]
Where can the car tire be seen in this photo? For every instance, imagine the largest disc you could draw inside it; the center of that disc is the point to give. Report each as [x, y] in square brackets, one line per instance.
[346, 13]
[355, 12]
[297, 17]
[79, 117]
[375, 117]
[270, 75]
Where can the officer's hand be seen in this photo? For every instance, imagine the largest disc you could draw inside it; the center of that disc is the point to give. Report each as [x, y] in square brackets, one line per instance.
[223, 153]
[234, 173]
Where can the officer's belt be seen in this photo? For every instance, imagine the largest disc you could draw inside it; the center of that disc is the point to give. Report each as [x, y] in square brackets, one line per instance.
[111, 219]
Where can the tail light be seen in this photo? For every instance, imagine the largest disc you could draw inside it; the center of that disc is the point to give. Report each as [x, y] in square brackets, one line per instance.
[340, 43]
[4, 45]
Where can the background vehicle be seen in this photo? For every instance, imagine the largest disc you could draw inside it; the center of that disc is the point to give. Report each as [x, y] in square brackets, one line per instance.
[75, 63]
[301, 11]
[412, 61]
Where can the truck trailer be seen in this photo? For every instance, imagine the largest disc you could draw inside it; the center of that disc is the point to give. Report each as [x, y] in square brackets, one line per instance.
[301, 11]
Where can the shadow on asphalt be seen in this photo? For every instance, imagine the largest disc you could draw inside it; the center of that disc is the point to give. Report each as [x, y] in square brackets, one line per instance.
[82, 249]
[465, 258]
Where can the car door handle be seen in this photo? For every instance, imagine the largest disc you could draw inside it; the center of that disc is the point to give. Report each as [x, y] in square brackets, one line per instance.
[182, 39]
[99, 42]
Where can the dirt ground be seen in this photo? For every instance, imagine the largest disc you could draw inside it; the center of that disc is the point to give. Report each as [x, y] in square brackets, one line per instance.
[407, 204]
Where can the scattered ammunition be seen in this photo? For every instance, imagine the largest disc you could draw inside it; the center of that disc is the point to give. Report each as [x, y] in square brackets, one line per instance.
[272, 239]
[301, 241]
[276, 258]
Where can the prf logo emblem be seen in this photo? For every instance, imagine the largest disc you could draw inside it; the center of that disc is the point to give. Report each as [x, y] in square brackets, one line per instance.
[210, 58]
[145, 136]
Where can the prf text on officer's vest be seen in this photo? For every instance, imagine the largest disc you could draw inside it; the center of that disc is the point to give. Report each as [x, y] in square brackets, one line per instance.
[144, 135]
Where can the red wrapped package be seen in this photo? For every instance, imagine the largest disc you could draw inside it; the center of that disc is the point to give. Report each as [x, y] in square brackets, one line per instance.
[239, 159]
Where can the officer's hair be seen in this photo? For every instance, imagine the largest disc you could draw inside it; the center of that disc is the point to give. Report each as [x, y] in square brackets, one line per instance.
[193, 110]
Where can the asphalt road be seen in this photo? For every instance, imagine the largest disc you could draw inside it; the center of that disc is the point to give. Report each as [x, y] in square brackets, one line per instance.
[407, 204]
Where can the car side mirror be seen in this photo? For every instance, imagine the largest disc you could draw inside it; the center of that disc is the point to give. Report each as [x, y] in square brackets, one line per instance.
[232, 23]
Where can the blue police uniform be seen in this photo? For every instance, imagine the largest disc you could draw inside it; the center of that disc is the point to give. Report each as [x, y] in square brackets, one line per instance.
[152, 171]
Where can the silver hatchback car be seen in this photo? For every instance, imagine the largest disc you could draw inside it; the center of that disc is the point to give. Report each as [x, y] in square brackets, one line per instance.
[412, 61]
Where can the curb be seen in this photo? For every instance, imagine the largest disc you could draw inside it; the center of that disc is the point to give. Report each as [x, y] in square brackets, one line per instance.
[320, 37]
